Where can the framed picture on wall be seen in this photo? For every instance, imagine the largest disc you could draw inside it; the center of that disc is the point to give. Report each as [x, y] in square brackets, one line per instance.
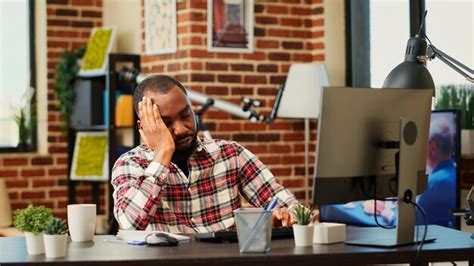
[230, 26]
[90, 158]
[98, 47]
[160, 27]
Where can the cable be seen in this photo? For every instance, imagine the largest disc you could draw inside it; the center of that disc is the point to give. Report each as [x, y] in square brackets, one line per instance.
[425, 233]
[375, 208]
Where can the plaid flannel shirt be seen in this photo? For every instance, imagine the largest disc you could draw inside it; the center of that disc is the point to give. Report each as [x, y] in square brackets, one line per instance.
[149, 195]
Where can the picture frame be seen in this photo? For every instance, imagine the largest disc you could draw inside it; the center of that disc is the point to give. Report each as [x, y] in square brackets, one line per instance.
[160, 27]
[95, 60]
[230, 26]
[90, 157]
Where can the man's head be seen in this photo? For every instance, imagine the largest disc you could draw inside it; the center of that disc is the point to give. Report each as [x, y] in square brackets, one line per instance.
[440, 145]
[171, 98]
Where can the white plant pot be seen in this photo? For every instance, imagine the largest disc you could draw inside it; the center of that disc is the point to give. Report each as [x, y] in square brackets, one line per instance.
[467, 142]
[303, 235]
[34, 243]
[55, 245]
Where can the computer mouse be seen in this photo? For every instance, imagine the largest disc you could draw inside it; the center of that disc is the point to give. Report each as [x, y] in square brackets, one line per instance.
[161, 239]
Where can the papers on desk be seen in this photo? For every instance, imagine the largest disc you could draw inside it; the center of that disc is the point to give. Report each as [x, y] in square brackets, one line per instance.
[139, 235]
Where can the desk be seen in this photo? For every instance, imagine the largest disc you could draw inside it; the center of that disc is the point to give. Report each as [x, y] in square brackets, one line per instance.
[450, 245]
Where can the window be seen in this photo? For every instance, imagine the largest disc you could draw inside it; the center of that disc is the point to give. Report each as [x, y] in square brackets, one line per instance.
[17, 75]
[378, 31]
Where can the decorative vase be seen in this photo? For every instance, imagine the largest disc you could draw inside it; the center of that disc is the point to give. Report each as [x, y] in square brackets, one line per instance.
[34, 243]
[303, 235]
[55, 245]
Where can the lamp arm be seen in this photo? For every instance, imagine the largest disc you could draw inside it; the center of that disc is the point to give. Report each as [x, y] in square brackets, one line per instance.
[433, 52]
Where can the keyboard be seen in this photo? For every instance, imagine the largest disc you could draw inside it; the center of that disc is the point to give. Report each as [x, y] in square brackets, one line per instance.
[230, 236]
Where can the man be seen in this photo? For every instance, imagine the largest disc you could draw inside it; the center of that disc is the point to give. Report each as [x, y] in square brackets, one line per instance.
[438, 198]
[179, 183]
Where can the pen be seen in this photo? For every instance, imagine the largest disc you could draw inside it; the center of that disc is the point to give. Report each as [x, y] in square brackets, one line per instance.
[259, 224]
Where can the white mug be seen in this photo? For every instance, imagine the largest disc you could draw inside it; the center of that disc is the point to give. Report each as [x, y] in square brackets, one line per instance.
[81, 219]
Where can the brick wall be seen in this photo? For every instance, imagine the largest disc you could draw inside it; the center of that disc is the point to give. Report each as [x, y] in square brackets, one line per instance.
[42, 179]
[286, 32]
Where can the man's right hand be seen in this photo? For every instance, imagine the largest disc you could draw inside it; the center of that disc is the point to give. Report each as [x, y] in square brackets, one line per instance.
[154, 132]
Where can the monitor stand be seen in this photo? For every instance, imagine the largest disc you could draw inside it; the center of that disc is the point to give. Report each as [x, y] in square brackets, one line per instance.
[404, 234]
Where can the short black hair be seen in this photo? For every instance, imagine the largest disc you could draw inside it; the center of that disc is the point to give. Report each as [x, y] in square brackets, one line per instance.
[156, 83]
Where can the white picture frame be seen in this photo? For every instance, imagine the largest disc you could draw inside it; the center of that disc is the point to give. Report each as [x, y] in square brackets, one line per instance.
[160, 27]
[239, 14]
[90, 158]
[96, 57]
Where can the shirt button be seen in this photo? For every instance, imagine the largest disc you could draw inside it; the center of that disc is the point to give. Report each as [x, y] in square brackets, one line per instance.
[199, 148]
[192, 220]
[163, 175]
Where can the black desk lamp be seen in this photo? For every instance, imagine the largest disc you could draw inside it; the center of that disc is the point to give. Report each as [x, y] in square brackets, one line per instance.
[412, 73]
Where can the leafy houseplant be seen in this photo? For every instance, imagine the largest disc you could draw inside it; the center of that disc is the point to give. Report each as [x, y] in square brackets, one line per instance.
[25, 118]
[32, 220]
[303, 231]
[55, 238]
[65, 75]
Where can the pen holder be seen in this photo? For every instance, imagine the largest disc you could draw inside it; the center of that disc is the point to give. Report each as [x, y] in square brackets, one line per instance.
[245, 220]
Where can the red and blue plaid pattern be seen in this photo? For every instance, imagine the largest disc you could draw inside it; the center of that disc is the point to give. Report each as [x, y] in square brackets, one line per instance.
[151, 196]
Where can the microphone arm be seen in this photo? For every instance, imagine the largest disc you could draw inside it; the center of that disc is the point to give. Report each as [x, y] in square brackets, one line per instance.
[200, 98]
[433, 52]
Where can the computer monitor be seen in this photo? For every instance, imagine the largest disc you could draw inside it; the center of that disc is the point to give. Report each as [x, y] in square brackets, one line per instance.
[441, 195]
[372, 143]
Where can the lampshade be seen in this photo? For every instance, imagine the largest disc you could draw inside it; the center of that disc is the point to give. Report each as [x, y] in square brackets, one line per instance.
[412, 73]
[302, 92]
[5, 208]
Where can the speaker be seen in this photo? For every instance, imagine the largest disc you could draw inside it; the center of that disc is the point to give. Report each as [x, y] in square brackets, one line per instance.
[88, 106]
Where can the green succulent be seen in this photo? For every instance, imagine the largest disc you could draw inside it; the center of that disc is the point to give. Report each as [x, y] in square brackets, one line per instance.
[56, 226]
[32, 219]
[303, 214]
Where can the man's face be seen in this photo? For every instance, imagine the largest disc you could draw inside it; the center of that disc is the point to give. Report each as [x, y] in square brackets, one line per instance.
[178, 116]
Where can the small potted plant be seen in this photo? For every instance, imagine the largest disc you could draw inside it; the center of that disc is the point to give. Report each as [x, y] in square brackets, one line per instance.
[32, 221]
[303, 229]
[55, 238]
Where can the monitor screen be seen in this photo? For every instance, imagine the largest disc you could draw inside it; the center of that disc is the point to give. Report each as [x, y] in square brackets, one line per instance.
[441, 193]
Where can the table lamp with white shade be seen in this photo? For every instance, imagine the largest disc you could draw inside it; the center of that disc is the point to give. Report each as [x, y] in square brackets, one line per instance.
[301, 97]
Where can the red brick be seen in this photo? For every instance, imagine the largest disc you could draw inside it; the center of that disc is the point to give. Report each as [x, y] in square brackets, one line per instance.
[294, 22]
[91, 14]
[244, 137]
[301, 11]
[15, 161]
[317, 34]
[255, 56]
[227, 56]
[280, 171]
[259, 32]
[292, 45]
[257, 148]
[32, 194]
[280, 125]
[82, 24]
[198, 4]
[277, 79]
[242, 91]
[301, 171]
[278, 33]
[202, 77]
[229, 78]
[293, 183]
[280, 148]
[16, 183]
[269, 160]
[66, 12]
[217, 90]
[200, 54]
[57, 171]
[302, 57]
[277, 9]
[301, 34]
[267, 68]
[55, 149]
[258, 8]
[319, 57]
[241, 67]
[58, 193]
[291, 1]
[57, 2]
[293, 137]
[32, 172]
[229, 126]
[58, 22]
[293, 159]
[82, 2]
[42, 161]
[267, 44]
[217, 66]
[8, 173]
[255, 79]
[254, 127]
[268, 137]
[266, 20]
[43, 182]
[174, 67]
[318, 10]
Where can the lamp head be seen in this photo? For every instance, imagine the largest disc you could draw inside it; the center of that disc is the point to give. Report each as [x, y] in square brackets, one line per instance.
[412, 73]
